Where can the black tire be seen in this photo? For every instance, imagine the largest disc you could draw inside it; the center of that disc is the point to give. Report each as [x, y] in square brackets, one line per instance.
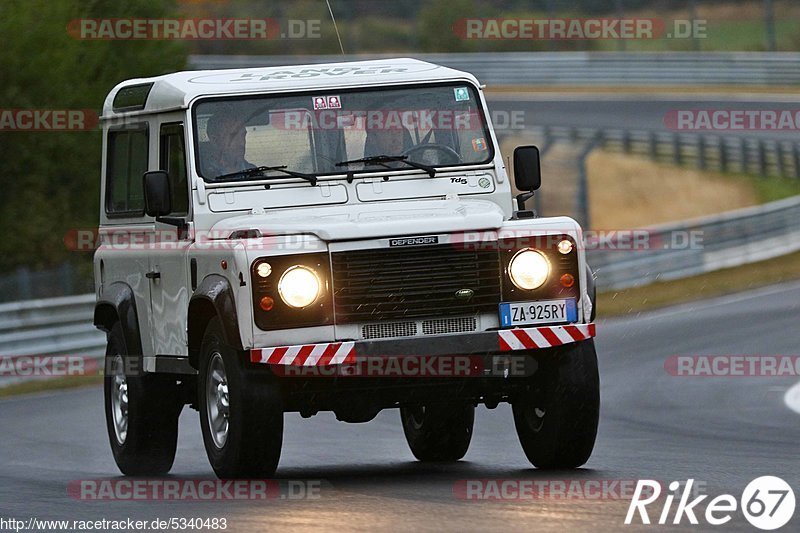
[438, 432]
[557, 419]
[254, 435]
[148, 443]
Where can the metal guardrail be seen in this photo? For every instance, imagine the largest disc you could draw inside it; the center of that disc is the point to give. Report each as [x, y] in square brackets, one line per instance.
[575, 68]
[692, 247]
[756, 156]
[57, 326]
[747, 155]
[64, 325]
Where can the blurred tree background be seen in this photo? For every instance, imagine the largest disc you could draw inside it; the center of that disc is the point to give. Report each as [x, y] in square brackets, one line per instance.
[50, 180]
[402, 26]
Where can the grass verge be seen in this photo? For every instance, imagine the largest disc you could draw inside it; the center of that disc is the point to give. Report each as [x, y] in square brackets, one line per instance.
[772, 188]
[633, 191]
[41, 385]
[719, 283]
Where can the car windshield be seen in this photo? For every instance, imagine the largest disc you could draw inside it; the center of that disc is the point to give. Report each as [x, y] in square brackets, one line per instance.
[327, 133]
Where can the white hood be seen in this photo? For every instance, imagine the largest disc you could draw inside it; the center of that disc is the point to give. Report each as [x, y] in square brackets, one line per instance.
[364, 221]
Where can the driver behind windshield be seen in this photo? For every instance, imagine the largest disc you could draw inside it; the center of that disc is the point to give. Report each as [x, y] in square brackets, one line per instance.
[387, 141]
[226, 147]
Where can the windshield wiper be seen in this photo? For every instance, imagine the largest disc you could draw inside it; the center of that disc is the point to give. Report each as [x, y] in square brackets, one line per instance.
[256, 171]
[383, 159]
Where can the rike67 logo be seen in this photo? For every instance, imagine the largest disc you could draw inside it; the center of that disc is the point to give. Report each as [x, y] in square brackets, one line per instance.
[767, 503]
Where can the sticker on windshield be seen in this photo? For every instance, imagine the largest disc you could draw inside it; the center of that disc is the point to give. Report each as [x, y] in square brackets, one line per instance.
[334, 103]
[320, 102]
[462, 94]
[479, 144]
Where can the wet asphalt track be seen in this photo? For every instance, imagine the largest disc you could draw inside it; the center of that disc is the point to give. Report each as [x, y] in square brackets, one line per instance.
[631, 111]
[721, 431]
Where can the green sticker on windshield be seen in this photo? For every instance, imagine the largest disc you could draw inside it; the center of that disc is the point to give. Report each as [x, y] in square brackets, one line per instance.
[462, 94]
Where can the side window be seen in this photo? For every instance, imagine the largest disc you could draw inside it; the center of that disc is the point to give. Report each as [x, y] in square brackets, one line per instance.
[172, 158]
[126, 163]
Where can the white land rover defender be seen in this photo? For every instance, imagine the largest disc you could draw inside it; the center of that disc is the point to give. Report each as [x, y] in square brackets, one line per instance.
[336, 237]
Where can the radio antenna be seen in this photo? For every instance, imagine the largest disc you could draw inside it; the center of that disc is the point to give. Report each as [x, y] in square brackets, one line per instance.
[335, 27]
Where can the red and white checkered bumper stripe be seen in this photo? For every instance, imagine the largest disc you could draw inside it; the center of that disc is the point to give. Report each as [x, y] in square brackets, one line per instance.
[337, 353]
[334, 353]
[544, 337]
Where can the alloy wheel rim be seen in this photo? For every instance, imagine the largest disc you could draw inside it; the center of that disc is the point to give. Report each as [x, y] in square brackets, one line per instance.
[119, 399]
[217, 400]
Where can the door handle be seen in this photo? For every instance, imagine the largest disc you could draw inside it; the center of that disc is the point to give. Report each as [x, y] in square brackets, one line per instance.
[153, 275]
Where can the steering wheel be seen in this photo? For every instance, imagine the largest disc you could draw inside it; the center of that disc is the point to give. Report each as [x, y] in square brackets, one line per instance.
[440, 147]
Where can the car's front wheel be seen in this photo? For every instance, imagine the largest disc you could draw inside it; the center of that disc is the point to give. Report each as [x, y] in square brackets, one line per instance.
[557, 417]
[141, 413]
[241, 419]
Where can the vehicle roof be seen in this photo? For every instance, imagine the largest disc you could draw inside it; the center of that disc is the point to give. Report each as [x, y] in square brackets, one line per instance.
[177, 90]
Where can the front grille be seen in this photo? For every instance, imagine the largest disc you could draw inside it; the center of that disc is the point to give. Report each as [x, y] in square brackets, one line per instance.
[412, 282]
[384, 330]
[436, 326]
[449, 325]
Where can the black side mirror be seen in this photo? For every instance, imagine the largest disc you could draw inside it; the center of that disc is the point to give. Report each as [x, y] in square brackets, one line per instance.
[527, 168]
[157, 194]
[527, 177]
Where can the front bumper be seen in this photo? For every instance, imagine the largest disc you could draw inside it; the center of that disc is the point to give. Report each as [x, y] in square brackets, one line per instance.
[348, 352]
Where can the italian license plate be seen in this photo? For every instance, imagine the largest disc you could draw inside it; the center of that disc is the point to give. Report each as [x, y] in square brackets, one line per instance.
[538, 312]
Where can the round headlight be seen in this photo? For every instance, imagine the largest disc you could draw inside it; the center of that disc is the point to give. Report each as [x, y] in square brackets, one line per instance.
[299, 286]
[529, 269]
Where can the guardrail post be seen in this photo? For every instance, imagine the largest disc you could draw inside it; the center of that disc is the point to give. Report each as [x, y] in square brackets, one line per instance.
[796, 159]
[701, 152]
[653, 146]
[745, 156]
[676, 149]
[723, 155]
[762, 158]
[583, 181]
[573, 135]
[548, 142]
[780, 156]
